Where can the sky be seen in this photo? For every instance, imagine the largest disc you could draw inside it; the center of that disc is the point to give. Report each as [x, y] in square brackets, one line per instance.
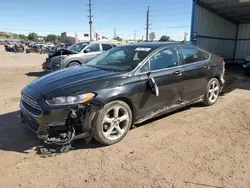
[167, 17]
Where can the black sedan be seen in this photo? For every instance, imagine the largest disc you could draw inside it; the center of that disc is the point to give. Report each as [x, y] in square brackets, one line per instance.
[123, 86]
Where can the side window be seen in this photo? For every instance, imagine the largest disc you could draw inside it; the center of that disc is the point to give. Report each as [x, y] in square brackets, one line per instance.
[165, 58]
[93, 47]
[192, 55]
[106, 47]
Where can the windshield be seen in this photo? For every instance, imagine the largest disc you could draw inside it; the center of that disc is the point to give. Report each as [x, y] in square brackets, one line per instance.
[123, 58]
[77, 47]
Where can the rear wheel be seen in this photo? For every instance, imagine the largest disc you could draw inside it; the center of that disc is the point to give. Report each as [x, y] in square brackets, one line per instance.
[112, 123]
[73, 64]
[212, 92]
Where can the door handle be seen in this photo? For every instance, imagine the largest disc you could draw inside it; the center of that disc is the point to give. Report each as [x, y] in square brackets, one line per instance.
[177, 73]
[206, 67]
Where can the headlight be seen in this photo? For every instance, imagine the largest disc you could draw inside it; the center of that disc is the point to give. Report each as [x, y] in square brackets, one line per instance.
[70, 99]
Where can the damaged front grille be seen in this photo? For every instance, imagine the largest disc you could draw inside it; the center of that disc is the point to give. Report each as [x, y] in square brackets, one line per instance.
[56, 63]
[30, 106]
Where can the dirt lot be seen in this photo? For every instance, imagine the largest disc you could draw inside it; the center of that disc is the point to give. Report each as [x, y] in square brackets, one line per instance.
[196, 147]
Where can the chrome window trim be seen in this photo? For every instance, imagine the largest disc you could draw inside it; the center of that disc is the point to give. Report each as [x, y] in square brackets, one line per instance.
[146, 60]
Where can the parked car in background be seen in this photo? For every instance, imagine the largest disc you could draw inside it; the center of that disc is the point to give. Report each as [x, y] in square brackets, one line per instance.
[246, 65]
[46, 45]
[123, 86]
[75, 55]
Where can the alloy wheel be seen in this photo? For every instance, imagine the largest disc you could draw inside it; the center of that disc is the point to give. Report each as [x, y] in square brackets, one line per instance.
[213, 92]
[115, 122]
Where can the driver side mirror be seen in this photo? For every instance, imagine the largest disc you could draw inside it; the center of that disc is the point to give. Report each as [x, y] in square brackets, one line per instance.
[86, 50]
[153, 85]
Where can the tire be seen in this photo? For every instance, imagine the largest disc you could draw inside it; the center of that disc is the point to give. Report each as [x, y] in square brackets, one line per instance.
[73, 64]
[213, 88]
[106, 123]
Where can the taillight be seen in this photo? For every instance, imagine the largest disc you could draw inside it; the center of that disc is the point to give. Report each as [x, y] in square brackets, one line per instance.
[222, 62]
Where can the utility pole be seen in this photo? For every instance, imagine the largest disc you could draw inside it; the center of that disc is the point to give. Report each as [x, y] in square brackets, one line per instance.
[147, 24]
[135, 35]
[114, 33]
[90, 21]
[185, 36]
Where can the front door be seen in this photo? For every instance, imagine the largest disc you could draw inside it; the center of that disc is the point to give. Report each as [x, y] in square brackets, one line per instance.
[164, 67]
[91, 51]
[195, 72]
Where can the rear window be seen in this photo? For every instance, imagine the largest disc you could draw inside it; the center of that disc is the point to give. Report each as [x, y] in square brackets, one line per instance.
[192, 55]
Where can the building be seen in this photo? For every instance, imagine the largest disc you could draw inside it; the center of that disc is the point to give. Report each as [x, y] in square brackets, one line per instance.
[222, 27]
[73, 37]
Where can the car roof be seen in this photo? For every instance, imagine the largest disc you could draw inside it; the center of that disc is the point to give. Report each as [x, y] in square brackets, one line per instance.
[154, 45]
[100, 42]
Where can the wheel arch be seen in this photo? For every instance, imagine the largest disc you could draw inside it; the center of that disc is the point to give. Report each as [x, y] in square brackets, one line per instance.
[128, 102]
[71, 61]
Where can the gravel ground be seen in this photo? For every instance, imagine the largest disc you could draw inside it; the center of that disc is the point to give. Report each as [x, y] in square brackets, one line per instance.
[193, 148]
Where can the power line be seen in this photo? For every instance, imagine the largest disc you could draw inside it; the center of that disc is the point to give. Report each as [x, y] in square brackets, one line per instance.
[140, 5]
[31, 30]
[172, 27]
[90, 20]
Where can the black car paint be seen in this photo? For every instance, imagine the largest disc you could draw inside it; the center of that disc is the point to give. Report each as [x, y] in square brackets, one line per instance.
[178, 86]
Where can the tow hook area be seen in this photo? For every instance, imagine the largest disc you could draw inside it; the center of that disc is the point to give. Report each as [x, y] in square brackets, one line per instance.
[78, 126]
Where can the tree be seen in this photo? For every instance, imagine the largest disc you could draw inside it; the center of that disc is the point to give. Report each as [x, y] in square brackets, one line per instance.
[164, 38]
[33, 36]
[118, 38]
[51, 38]
[22, 37]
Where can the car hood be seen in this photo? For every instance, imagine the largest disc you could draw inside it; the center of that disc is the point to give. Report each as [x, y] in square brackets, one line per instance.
[61, 52]
[71, 80]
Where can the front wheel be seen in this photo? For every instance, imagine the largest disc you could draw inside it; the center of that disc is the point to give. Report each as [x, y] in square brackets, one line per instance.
[112, 123]
[212, 92]
[73, 64]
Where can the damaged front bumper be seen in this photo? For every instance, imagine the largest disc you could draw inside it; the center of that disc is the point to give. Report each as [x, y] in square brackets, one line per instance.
[61, 125]
[41, 124]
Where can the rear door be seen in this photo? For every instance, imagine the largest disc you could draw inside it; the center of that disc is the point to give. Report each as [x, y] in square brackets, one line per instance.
[195, 72]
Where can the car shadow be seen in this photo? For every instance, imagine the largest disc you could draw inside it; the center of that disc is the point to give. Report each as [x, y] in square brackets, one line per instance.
[17, 137]
[236, 78]
[14, 136]
[36, 74]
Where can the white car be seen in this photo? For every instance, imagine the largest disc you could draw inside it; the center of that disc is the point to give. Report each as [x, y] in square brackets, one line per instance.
[49, 45]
